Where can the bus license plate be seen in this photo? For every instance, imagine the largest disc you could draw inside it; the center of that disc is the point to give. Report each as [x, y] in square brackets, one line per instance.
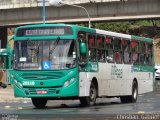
[42, 92]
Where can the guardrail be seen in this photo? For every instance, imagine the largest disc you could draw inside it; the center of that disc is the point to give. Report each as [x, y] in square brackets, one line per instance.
[10, 4]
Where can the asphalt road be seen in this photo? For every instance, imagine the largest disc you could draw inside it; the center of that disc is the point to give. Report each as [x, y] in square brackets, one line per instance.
[147, 107]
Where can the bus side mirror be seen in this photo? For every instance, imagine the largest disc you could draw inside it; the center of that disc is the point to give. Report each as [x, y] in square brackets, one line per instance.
[83, 48]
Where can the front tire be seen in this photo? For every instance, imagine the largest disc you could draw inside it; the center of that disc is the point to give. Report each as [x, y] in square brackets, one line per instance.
[39, 102]
[91, 99]
[131, 98]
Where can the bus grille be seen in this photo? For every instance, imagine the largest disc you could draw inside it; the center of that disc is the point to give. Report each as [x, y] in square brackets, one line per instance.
[42, 76]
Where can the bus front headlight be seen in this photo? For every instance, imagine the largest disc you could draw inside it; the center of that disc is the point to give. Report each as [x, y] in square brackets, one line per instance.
[68, 82]
[18, 83]
[12, 76]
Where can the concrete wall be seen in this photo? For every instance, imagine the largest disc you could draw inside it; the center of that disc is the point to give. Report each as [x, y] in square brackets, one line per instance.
[9, 4]
[115, 10]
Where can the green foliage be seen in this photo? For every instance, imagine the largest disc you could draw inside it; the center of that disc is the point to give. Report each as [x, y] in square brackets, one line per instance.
[125, 26]
[113, 26]
[146, 28]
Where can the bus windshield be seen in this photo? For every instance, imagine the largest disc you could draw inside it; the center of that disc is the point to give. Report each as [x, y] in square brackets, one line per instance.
[44, 54]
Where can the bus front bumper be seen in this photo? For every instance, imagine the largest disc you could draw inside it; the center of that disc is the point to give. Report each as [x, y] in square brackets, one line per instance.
[52, 92]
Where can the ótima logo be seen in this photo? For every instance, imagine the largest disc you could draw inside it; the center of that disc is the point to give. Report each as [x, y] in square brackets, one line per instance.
[46, 65]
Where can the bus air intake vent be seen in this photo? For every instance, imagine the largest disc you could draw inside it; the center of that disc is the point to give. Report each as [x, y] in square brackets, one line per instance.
[42, 76]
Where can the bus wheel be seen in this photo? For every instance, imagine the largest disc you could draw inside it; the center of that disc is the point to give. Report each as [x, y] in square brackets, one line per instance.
[134, 92]
[131, 98]
[39, 102]
[91, 99]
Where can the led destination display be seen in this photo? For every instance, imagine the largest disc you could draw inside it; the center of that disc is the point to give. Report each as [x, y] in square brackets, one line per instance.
[45, 31]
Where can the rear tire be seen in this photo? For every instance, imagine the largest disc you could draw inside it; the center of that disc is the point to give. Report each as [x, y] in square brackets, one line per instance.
[91, 99]
[39, 102]
[131, 98]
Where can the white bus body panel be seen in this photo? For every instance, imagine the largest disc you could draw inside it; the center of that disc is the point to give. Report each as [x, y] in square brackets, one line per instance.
[115, 80]
[84, 84]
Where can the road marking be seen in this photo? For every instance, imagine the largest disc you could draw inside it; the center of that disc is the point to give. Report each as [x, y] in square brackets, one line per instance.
[20, 108]
[7, 107]
[141, 112]
[25, 102]
[1, 101]
[140, 95]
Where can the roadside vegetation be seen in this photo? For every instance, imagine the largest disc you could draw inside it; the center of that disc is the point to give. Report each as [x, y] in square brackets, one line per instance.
[146, 28]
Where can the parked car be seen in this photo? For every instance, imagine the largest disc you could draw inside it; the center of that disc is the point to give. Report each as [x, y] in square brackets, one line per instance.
[157, 72]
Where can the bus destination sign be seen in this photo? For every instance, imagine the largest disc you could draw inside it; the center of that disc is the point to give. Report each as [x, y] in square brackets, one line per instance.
[45, 31]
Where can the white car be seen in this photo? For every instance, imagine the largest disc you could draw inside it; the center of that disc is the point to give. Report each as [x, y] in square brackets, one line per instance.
[157, 72]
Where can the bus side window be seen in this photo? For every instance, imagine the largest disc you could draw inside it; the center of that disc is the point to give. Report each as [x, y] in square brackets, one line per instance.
[109, 49]
[91, 41]
[126, 51]
[148, 54]
[100, 42]
[117, 50]
[109, 43]
[142, 50]
[100, 48]
[118, 57]
[142, 59]
[109, 56]
[134, 52]
[125, 45]
[92, 48]
[101, 55]
[134, 46]
[117, 44]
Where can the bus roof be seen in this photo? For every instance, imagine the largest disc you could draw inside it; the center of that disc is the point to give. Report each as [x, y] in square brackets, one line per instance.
[98, 31]
[115, 34]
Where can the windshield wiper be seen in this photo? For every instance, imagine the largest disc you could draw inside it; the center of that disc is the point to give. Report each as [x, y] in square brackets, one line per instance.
[57, 41]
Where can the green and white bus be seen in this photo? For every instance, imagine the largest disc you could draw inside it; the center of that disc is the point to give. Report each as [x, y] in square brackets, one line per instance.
[59, 61]
[5, 66]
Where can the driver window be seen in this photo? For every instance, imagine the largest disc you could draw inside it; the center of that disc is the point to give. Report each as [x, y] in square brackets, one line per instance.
[72, 50]
[82, 38]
